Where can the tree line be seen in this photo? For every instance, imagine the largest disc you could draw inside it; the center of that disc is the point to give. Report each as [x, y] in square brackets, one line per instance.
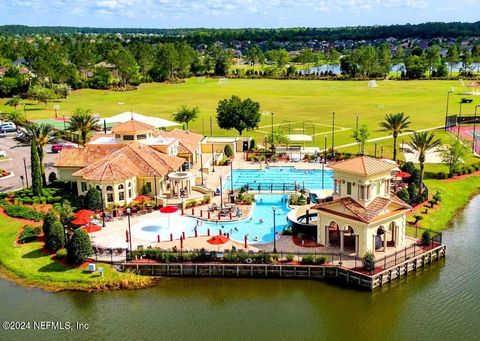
[204, 35]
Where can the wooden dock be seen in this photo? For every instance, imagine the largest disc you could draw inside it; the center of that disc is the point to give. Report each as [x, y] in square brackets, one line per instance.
[335, 273]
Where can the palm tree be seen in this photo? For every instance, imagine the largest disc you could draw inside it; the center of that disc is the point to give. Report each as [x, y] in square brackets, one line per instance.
[14, 101]
[43, 134]
[395, 124]
[82, 121]
[421, 143]
[16, 116]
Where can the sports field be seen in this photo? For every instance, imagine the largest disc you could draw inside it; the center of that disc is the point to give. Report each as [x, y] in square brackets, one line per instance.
[290, 100]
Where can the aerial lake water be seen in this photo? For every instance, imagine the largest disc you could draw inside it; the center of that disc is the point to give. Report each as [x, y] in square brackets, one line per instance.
[440, 302]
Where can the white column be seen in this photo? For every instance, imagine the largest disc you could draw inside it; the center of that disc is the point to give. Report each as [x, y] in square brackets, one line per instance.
[385, 241]
[342, 234]
[327, 235]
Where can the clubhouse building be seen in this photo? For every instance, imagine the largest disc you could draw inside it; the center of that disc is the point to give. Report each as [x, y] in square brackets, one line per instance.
[134, 156]
[364, 214]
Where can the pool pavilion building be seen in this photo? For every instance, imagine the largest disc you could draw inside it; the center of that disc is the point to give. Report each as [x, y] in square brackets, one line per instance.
[364, 214]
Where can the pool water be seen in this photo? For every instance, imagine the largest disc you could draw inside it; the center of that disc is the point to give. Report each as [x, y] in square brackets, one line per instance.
[277, 177]
[258, 226]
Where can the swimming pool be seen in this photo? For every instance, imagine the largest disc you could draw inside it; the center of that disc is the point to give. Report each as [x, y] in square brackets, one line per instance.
[258, 226]
[278, 177]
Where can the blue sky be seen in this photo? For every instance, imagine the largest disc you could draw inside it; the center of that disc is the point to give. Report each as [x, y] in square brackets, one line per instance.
[234, 13]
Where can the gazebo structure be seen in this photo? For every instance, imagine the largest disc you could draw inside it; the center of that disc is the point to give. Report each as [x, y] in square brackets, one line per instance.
[181, 183]
[364, 215]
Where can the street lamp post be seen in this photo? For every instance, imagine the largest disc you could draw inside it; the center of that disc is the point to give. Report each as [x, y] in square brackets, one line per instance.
[23, 184]
[201, 167]
[231, 179]
[103, 205]
[272, 133]
[155, 186]
[25, 170]
[475, 128]
[446, 111]
[333, 134]
[64, 126]
[221, 192]
[129, 229]
[325, 149]
[213, 160]
[274, 231]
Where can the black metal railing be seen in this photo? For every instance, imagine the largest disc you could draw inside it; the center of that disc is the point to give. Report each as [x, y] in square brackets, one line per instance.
[274, 187]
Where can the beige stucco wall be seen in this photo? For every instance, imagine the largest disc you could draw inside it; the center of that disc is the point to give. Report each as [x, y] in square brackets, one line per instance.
[218, 147]
[377, 181]
[365, 232]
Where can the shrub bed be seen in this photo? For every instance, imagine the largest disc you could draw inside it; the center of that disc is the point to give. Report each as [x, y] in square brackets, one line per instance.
[18, 211]
[29, 234]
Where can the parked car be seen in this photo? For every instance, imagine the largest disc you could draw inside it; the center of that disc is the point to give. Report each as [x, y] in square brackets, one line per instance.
[8, 127]
[57, 147]
[3, 153]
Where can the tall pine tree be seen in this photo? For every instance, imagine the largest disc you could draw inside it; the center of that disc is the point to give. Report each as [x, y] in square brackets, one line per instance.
[36, 169]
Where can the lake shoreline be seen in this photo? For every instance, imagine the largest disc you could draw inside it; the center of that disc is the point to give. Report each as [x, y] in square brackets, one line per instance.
[129, 281]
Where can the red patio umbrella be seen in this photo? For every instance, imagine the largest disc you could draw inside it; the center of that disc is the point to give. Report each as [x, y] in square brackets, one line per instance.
[83, 213]
[81, 221]
[218, 240]
[168, 210]
[142, 198]
[403, 175]
[91, 228]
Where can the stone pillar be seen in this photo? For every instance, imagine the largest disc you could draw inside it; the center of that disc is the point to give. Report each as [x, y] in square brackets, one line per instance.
[327, 237]
[342, 234]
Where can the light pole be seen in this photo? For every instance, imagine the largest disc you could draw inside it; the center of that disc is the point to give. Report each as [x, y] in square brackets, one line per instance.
[100, 187]
[231, 180]
[64, 126]
[25, 169]
[462, 101]
[201, 167]
[475, 128]
[274, 231]
[23, 184]
[272, 133]
[56, 107]
[446, 111]
[213, 160]
[325, 149]
[333, 134]
[211, 126]
[356, 125]
[221, 192]
[155, 186]
[129, 229]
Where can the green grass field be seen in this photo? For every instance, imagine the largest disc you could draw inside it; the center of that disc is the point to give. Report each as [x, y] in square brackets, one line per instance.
[29, 265]
[290, 100]
[455, 195]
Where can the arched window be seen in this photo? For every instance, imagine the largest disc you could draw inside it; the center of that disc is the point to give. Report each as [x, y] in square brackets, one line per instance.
[129, 184]
[120, 186]
[109, 188]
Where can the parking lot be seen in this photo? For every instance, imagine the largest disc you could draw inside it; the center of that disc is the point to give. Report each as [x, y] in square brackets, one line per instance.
[16, 163]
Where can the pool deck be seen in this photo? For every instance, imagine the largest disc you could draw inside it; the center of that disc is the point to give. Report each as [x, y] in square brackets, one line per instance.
[113, 236]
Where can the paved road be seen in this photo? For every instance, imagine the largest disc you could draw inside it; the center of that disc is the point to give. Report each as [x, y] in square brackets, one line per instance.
[15, 165]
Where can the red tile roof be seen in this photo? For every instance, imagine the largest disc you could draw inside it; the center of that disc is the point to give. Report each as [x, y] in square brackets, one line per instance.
[132, 126]
[365, 214]
[363, 165]
[133, 159]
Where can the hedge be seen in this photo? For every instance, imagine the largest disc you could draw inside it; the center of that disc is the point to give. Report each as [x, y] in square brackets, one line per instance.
[23, 212]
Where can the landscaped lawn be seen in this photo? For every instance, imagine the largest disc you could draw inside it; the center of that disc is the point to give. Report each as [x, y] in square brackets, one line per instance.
[290, 100]
[455, 195]
[28, 263]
